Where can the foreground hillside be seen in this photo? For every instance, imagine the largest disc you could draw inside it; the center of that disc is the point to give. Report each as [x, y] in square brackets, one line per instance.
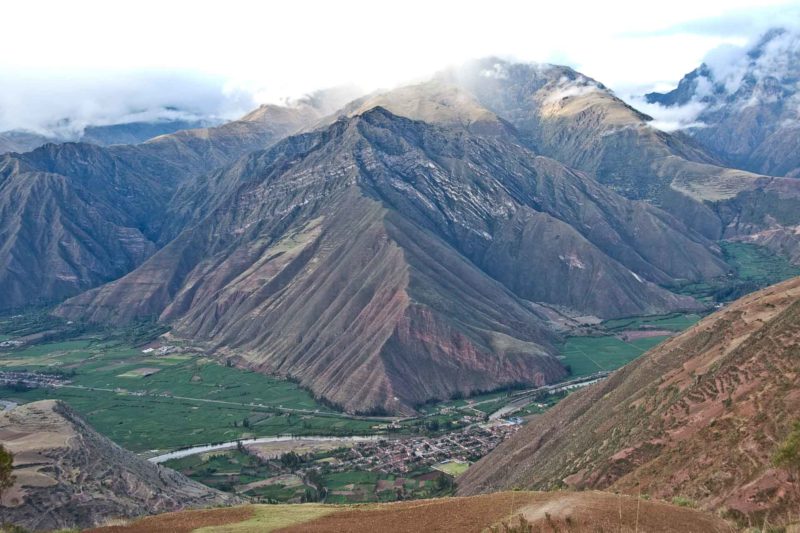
[545, 512]
[699, 417]
[67, 475]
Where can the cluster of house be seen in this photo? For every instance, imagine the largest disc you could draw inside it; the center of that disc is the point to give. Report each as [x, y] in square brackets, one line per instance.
[32, 379]
[163, 350]
[400, 456]
[11, 344]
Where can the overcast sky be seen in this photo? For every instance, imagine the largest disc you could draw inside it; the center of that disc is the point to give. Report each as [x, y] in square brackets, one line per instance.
[100, 61]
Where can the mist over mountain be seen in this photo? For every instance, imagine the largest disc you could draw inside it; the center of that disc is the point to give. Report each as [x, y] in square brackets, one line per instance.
[745, 104]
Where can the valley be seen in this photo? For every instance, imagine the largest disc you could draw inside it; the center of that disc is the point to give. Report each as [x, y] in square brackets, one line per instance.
[154, 394]
[521, 298]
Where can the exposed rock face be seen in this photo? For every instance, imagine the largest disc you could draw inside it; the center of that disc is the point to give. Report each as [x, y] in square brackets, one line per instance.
[70, 476]
[700, 416]
[353, 257]
[749, 103]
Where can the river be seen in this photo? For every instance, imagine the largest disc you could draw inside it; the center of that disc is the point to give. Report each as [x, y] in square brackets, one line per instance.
[186, 452]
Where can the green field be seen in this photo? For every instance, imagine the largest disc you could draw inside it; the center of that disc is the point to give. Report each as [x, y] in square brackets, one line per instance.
[754, 267]
[178, 405]
[587, 355]
[453, 468]
[275, 481]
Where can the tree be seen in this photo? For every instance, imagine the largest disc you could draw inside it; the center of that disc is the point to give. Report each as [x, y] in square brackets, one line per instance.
[6, 469]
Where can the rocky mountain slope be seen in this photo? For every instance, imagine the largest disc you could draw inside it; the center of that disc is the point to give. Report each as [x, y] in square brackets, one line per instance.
[567, 116]
[698, 417]
[75, 215]
[352, 257]
[748, 102]
[67, 475]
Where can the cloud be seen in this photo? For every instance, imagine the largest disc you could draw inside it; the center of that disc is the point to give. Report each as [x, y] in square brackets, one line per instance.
[764, 70]
[62, 104]
[670, 118]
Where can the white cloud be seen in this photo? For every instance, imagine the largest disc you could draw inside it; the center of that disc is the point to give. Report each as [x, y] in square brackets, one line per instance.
[670, 118]
[269, 51]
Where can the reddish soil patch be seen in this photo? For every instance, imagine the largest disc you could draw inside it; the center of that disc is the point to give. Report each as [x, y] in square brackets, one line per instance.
[181, 521]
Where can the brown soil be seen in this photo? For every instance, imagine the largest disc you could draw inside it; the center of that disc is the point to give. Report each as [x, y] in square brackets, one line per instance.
[181, 522]
[632, 335]
[555, 511]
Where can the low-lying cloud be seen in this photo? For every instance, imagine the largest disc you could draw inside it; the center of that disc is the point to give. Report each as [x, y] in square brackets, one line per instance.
[62, 105]
[763, 71]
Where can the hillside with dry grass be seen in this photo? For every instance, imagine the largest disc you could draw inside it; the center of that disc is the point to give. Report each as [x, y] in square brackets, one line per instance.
[505, 512]
[698, 419]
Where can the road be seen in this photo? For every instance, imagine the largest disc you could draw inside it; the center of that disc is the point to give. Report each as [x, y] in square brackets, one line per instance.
[186, 452]
[523, 398]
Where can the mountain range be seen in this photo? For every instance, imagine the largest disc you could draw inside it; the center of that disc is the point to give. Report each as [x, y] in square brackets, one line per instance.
[461, 225]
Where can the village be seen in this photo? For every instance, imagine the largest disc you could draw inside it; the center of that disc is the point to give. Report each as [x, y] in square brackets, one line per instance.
[401, 456]
[450, 453]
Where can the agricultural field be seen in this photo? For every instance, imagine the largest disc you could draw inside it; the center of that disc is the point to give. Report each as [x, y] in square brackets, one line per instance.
[191, 399]
[293, 478]
[187, 398]
[754, 267]
[587, 355]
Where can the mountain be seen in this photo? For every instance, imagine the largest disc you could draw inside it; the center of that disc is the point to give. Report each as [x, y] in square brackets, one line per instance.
[545, 512]
[698, 417]
[137, 132]
[21, 141]
[102, 135]
[748, 103]
[567, 116]
[352, 257]
[68, 475]
[75, 215]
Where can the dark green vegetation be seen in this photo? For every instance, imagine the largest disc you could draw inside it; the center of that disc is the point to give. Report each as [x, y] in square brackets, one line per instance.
[788, 454]
[147, 402]
[6, 469]
[297, 478]
[755, 267]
